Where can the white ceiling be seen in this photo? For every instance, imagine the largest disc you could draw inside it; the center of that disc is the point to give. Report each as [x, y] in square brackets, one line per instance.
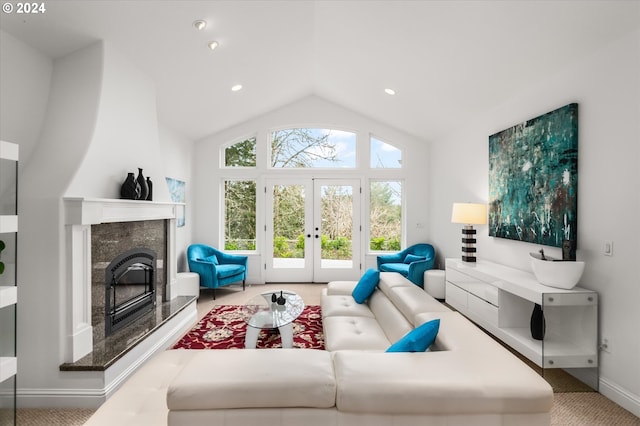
[447, 60]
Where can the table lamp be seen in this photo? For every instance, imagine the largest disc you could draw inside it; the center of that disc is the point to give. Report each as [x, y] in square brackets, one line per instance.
[469, 214]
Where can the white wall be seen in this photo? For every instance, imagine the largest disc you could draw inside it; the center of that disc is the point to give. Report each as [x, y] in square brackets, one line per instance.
[125, 137]
[606, 85]
[99, 122]
[307, 112]
[177, 156]
[25, 82]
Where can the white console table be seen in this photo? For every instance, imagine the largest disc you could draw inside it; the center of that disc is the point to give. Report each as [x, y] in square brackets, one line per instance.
[500, 299]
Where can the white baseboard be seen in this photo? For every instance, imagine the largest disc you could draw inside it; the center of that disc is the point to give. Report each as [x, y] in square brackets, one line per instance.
[622, 397]
[110, 380]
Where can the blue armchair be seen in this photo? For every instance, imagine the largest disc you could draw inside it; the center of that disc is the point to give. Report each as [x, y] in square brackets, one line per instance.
[216, 268]
[410, 262]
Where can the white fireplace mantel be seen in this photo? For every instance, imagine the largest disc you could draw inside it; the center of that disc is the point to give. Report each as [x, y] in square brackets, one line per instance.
[79, 215]
[92, 211]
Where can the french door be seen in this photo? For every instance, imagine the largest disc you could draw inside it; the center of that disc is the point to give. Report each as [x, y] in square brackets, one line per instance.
[312, 230]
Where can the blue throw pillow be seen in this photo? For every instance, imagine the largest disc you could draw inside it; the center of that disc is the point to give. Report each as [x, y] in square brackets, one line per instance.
[366, 285]
[410, 258]
[419, 339]
[213, 259]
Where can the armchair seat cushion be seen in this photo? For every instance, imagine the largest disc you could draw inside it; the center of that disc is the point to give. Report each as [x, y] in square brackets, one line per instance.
[229, 270]
[402, 268]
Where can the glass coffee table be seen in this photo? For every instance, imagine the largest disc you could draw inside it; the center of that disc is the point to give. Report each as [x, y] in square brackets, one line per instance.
[272, 309]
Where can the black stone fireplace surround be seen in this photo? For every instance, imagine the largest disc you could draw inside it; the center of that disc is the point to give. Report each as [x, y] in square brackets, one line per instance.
[108, 242]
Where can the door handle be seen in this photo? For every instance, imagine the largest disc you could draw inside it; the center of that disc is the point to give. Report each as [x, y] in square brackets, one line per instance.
[317, 236]
[308, 235]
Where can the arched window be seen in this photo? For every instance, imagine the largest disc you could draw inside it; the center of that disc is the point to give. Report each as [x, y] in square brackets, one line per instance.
[384, 155]
[241, 154]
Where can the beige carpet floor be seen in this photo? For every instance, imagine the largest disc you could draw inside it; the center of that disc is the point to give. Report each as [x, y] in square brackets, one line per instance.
[569, 408]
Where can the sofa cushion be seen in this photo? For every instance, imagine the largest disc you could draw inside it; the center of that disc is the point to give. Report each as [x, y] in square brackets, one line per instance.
[419, 339]
[389, 280]
[450, 382]
[254, 378]
[353, 333]
[366, 285]
[229, 270]
[413, 300]
[341, 287]
[343, 305]
[391, 320]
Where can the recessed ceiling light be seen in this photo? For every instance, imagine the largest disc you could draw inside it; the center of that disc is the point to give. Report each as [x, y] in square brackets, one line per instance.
[390, 92]
[236, 88]
[199, 24]
[213, 45]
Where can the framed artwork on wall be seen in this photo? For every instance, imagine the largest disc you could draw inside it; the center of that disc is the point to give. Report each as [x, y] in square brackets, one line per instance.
[177, 193]
[533, 179]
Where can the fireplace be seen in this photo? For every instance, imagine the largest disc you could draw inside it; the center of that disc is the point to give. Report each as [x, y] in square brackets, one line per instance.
[130, 288]
[97, 232]
[126, 252]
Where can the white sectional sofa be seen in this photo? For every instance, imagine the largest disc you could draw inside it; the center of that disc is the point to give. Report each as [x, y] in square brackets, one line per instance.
[466, 378]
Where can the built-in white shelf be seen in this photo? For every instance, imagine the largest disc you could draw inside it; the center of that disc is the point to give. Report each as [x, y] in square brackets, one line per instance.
[8, 223]
[8, 296]
[9, 151]
[8, 367]
[8, 290]
[500, 299]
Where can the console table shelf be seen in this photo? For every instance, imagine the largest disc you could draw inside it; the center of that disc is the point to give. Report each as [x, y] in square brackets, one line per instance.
[501, 299]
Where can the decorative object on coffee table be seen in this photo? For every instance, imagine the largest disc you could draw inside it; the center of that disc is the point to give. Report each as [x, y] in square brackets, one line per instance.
[259, 314]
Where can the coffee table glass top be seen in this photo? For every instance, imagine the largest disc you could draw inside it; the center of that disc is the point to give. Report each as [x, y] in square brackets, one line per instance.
[261, 312]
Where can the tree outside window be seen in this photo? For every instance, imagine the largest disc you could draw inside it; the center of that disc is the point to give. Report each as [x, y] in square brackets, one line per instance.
[385, 215]
[241, 154]
[313, 148]
[240, 215]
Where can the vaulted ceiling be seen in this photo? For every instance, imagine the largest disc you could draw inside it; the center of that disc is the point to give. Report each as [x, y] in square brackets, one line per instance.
[446, 60]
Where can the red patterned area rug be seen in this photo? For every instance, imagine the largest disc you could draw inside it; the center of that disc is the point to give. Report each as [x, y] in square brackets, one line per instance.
[224, 328]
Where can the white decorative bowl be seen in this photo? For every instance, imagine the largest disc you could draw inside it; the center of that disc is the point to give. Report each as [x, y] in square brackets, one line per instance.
[557, 273]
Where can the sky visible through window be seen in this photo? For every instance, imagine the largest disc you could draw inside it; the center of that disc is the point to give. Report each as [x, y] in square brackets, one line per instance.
[338, 144]
[384, 155]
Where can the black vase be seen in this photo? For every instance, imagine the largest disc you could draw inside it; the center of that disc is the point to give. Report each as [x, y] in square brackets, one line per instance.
[538, 326]
[144, 188]
[130, 189]
[281, 300]
[150, 186]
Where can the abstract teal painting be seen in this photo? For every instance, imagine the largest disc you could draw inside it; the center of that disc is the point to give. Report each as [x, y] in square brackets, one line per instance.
[533, 179]
[177, 193]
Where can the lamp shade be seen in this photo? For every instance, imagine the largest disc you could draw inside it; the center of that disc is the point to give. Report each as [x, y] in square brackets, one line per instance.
[469, 213]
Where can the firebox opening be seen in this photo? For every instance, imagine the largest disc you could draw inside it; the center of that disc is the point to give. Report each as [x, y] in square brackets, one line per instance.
[130, 288]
